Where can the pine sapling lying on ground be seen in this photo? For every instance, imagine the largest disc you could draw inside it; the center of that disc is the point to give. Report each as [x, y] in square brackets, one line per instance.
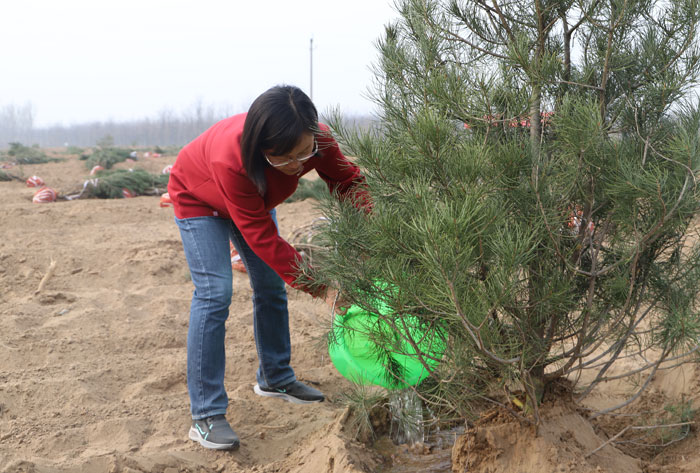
[107, 157]
[121, 183]
[21, 154]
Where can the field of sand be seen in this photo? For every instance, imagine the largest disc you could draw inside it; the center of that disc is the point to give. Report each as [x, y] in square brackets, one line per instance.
[92, 365]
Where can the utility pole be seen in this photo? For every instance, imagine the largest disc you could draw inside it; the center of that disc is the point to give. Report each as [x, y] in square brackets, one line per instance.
[311, 68]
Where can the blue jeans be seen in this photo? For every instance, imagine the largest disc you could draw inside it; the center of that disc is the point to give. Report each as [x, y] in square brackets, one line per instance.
[206, 244]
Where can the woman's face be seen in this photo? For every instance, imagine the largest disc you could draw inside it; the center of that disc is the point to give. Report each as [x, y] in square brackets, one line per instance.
[288, 163]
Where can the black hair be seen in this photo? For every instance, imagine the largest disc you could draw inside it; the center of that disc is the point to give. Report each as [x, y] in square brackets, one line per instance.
[276, 121]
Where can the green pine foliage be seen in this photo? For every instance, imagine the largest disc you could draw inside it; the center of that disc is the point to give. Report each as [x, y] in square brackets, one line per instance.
[107, 157]
[110, 184]
[21, 154]
[534, 181]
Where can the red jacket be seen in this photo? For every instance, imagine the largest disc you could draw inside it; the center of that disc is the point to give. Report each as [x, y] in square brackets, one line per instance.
[209, 179]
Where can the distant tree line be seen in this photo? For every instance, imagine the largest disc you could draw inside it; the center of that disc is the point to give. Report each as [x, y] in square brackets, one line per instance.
[16, 124]
[167, 128]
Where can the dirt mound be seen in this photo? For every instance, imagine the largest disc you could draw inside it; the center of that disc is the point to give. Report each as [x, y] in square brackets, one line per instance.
[562, 444]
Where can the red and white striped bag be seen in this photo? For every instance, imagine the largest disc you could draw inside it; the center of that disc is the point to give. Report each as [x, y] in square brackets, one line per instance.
[165, 200]
[126, 193]
[236, 262]
[44, 195]
[35, 181]
[166, 169]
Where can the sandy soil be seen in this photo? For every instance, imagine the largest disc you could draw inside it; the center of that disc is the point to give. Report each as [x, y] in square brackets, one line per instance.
[92, 377]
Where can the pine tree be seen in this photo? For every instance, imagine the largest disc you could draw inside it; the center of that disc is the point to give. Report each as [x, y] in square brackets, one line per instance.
[534, 180]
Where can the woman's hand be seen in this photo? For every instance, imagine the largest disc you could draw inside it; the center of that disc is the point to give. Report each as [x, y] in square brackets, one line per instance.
[336, 301]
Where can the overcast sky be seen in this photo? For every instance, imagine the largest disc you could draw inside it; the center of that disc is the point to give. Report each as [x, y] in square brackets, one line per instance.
[84, 60]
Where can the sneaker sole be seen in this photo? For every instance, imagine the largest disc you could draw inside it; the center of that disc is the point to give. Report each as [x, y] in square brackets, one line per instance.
[197, 437]
[283, 396]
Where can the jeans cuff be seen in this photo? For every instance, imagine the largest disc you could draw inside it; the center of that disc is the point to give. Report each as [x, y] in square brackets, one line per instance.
[209, 414]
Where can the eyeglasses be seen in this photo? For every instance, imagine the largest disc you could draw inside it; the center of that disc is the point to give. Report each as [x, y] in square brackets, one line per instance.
[291, 160]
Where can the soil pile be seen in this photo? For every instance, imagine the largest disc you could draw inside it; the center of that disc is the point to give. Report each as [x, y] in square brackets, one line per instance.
[563, 444]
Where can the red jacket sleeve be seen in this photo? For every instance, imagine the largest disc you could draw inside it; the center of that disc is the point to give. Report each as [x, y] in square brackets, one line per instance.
[247, 210]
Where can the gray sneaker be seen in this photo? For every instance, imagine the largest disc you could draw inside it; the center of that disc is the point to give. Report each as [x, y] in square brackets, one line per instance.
[214, 432]
[295, 392]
